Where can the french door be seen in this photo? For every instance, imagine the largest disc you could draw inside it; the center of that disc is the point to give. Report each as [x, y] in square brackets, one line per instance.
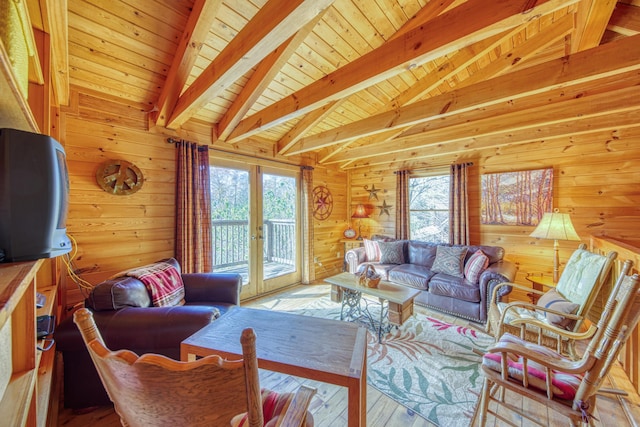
[256, 227]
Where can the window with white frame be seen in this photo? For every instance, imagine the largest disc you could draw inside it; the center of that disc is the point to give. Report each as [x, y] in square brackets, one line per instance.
[429, 208]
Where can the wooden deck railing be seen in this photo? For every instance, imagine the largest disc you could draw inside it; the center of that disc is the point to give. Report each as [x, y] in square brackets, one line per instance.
[629, 357]
[230, 240]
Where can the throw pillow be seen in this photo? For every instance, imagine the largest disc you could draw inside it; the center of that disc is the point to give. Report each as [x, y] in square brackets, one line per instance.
[391, 252]
[477, 263]
[554, 301]
[449, 260]
[371, 250]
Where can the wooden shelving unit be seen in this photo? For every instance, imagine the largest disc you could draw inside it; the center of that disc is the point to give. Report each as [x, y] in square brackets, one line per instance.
[26, 390]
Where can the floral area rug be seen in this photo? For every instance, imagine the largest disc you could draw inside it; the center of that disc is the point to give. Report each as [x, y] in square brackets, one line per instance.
[427, 365]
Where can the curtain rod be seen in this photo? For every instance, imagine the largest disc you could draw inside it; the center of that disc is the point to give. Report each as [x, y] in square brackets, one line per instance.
[431, 169]
[175, 141]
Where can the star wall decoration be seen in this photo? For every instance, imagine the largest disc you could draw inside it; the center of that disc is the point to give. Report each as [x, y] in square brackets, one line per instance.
[384, 208]
[373, 192]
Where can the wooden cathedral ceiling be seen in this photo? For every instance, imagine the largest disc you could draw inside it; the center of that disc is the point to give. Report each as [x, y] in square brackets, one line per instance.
[366, 82]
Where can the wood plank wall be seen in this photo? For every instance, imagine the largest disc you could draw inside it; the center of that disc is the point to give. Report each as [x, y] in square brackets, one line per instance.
[328, 249]
[596, 180]
[114, 233]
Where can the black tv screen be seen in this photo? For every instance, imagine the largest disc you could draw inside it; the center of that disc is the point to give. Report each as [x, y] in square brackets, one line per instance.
[34, 196]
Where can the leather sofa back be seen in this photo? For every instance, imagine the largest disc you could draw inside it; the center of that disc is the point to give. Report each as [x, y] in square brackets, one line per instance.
[424, 253]
[122, 291]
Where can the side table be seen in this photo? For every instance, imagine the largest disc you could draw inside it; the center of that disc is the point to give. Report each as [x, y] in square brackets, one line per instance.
[539, 282]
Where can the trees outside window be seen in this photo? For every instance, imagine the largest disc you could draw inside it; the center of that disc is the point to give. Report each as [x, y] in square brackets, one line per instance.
[429, 208]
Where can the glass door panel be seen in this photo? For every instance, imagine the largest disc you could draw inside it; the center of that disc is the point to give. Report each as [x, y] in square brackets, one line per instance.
[231, 226]
[280, 229]
[255, 230]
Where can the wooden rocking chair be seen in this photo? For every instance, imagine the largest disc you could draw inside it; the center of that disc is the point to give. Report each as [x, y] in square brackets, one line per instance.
[566, 386]
[153, 390]
[571, 300]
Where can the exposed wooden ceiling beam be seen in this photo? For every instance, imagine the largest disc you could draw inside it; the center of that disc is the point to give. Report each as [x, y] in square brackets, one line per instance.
[195, 33]
[430, 81]
[508, 61]
[55, 17]
[274, 23]
[467, 148]
[558, 110]
[468, 23]
[615, 120]
[625, 19]
[265, 72]
[424, 15]
[308, 121]
[592, 17]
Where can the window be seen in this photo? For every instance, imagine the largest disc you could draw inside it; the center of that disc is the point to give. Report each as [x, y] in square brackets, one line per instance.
[429, 208]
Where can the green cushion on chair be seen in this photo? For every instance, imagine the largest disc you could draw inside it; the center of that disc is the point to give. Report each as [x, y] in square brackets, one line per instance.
[579, 275]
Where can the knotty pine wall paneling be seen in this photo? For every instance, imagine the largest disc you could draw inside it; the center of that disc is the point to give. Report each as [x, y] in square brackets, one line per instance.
[328, 250]
[372, 188]
[596, 180]
[113, 232]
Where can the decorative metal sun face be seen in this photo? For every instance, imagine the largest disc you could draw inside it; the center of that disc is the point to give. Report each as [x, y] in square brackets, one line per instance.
[322, 203]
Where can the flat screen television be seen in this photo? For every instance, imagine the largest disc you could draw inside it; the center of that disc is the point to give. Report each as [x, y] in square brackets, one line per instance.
[34, 197]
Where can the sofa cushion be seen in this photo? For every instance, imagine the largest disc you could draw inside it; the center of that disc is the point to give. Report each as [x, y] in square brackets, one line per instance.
[449, 260]
[416, 276]
[454, 287]
[421, 253]
[371, 250]
[474, 267]
[391, 252]
[114, 294]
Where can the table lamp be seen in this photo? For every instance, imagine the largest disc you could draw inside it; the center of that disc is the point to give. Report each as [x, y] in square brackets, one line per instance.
[359, 214]
[555, 226]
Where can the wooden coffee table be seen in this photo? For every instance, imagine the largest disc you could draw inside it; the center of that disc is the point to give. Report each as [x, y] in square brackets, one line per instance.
[396, 301]
[319, 349]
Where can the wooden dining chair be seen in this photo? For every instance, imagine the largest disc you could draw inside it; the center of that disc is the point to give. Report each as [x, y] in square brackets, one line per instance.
[565, 385]
[564, 308]
[153, 390]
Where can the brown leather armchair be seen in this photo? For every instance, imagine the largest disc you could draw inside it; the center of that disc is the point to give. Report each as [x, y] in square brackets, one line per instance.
[122, 313]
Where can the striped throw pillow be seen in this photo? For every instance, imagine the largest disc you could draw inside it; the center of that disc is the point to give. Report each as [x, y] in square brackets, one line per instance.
[477, 263]
[372, 250]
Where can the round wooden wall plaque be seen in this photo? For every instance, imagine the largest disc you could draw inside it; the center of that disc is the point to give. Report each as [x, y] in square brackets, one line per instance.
[119, 177]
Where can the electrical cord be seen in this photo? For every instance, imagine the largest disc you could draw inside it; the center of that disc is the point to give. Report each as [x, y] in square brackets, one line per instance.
[84, 286]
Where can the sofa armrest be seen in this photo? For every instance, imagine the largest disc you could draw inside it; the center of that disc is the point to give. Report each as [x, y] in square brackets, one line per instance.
[496, 273]
[139, 328]
[212, 287]
[355, 257]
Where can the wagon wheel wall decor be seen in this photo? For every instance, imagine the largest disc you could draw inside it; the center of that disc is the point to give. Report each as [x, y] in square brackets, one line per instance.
[322, 203]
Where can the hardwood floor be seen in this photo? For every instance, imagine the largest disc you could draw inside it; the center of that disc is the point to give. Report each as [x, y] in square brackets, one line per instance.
[330, 403]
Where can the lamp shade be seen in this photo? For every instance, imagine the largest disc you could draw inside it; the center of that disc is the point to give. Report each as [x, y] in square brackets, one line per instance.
[555, 226]
[360, 212]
